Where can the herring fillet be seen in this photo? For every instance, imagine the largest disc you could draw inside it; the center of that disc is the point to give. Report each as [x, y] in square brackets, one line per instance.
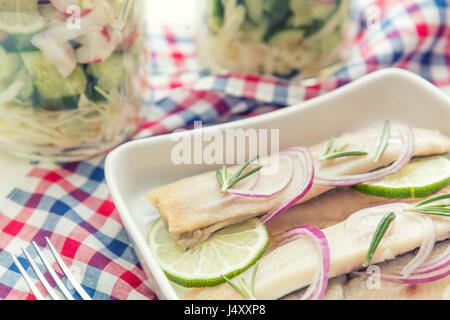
[324, 211]
[292, 266]
[360, 287]
[191, 207]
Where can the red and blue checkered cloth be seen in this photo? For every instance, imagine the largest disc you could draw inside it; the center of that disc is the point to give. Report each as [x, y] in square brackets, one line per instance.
[70, 203]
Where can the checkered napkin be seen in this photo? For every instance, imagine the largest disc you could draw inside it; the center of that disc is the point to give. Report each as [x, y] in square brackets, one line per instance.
[70, 203]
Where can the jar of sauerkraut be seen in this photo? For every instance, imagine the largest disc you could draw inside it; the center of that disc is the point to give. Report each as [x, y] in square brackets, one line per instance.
[297, 39]
[69, 76]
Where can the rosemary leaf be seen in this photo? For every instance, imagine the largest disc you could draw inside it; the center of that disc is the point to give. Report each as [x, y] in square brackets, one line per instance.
[341, 148]
[236, 288]
[378, 235]
[445, 212]
[330, 144]
[245, 175]
[254, 277]
[384, 140]
[336, 155]
[433, 199]
[238, 173]
[246, 289]
[220, 177]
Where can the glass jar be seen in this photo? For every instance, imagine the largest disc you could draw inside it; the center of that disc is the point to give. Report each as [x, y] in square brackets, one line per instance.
[296, 39]
[69, 76]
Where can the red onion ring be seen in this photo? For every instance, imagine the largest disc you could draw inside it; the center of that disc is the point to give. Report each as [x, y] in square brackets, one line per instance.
[426, 248]
[317, 289]
[418, 277]
[351, 180]
[260, 194]
[308, 164]
[442, 261]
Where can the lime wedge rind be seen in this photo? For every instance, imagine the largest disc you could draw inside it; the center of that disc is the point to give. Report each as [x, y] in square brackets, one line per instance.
[198, 278]
[420, 178]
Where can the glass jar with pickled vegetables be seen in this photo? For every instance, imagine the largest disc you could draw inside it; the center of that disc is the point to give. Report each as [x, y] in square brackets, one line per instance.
[297, 39]
[69, 76]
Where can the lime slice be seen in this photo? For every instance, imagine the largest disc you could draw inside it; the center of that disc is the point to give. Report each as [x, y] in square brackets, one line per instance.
[227, 252]
[420, 178]
[20, 17]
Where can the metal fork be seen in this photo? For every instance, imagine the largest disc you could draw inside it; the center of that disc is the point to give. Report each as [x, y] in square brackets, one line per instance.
[55, 277]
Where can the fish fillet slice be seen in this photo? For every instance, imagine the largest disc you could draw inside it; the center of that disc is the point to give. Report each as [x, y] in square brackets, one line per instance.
[363, 288]
[192, 207]
[325, 210]
[292, 266]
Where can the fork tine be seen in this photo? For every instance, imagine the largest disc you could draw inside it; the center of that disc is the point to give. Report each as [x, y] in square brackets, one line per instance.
[29, 282]
[41, 277]
[55, 277]
[67, 272]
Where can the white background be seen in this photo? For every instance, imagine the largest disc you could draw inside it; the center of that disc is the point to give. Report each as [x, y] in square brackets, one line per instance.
[175, 12]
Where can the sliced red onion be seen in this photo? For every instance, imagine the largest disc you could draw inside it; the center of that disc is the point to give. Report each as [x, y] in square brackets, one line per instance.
[418, 277]
[261, 194]
[426, 248]
[351, 180]
[317, 289]
[308, 167]
[442, 261]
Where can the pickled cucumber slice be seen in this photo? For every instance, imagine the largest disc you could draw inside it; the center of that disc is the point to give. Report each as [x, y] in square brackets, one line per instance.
[109, 73]
[48, 81]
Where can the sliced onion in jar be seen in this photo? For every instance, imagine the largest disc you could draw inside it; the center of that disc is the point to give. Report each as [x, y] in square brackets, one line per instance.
[351, 180]
[60, 53]
[317, 288]
[12, 91]
[95, 20]
[98, 46]
[305, 185]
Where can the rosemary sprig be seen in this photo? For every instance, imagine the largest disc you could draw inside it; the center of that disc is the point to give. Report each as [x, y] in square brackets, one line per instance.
[378, 235]
[436, 209]
[383, 142]
[245, 292]
[339, 154]
[228, 181]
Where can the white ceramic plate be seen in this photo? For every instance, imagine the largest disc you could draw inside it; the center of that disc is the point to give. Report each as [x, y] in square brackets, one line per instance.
[138, 166]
